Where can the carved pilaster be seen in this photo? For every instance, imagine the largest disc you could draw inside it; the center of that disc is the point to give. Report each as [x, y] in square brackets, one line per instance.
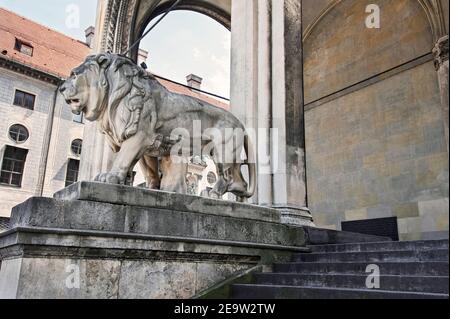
[440, 52]
[441, 62]
[108, 36]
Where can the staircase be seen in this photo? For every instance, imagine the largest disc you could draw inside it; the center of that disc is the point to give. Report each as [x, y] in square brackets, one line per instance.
[408, 270]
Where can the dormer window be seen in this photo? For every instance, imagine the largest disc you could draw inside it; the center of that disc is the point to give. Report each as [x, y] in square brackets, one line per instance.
[24, 47]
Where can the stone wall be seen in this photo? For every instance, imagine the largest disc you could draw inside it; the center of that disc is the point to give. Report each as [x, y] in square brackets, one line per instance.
[341, 51]
[156, 246]
[375, 136]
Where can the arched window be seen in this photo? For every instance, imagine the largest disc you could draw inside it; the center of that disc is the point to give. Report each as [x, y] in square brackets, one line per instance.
[18, 133]
[76, 147]
[212, 178]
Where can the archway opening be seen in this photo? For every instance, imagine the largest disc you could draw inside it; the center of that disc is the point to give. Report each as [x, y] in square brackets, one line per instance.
[190, 53]
[187, 42]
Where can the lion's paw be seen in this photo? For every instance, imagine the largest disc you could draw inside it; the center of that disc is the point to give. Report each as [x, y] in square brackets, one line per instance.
[214, 195]
[109, 178]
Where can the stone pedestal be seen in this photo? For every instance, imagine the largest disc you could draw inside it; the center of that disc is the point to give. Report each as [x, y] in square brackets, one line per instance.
[295, 216]
[105, 241]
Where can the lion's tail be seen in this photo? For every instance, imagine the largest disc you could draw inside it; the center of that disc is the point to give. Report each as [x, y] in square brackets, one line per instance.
[251, 163]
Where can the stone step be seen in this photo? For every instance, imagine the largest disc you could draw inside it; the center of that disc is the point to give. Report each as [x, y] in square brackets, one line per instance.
[429, 284]
[386, 268]
[317, 236]
[289, 292]
[375, 256]
[383, 246]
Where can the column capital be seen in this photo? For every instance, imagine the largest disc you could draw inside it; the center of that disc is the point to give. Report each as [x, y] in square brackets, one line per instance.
[440, 52]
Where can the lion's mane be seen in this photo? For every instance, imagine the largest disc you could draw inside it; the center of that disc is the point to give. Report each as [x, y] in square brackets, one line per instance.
[128, 96]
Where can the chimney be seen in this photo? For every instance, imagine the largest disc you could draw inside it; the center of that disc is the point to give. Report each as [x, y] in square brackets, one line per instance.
[142, 56]
[194, 81]
[90, 34]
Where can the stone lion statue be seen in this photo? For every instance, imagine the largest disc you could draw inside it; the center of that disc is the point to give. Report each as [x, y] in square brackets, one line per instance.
[139, 117]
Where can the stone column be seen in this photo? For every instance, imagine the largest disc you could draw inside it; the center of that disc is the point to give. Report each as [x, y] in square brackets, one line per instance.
[289, 178]
[244, 73]
[441, 62]
[267, 96]
[264, 116]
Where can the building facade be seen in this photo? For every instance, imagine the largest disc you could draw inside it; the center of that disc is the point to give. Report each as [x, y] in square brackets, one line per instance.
[37, 130]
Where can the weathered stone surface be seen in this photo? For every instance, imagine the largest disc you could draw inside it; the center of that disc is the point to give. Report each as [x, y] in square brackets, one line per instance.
[380, 152]
[162, 245]
[51, 277]
[332, 62]
[94, 216]
[111, 265]
[295, 216]
[157, 280]
[9, 279]
[121, 195]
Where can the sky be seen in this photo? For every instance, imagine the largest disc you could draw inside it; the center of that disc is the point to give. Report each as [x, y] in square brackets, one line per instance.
[183, 43]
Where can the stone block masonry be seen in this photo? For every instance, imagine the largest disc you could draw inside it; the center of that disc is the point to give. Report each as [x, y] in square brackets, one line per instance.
[394, 163]
[122, 242]
[108, 241]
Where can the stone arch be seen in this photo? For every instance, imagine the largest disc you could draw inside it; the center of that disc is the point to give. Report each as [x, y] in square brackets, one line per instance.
[405, 35]
[433, 9]
[126, 20]
[435, 15]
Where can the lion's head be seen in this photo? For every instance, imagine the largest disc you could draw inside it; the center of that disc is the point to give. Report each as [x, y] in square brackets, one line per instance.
[104, 84]
[86, 89]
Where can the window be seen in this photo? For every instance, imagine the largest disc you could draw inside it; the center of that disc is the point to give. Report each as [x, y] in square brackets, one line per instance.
[25, 100]
[76, 147]
[73, 167]
[79, 118]
[23, 47]
[18, 133]
[12, 166]
[211, 178]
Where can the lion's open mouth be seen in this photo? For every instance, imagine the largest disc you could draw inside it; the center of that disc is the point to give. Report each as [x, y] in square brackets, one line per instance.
[73, 101]
[75, 105]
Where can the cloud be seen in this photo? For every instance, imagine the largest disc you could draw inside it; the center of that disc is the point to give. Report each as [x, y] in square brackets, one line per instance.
[187, 43]
[197, 53]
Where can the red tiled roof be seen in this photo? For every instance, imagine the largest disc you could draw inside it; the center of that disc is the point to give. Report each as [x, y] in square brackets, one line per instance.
[181, 89]
[53, 52]
[57, 54]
